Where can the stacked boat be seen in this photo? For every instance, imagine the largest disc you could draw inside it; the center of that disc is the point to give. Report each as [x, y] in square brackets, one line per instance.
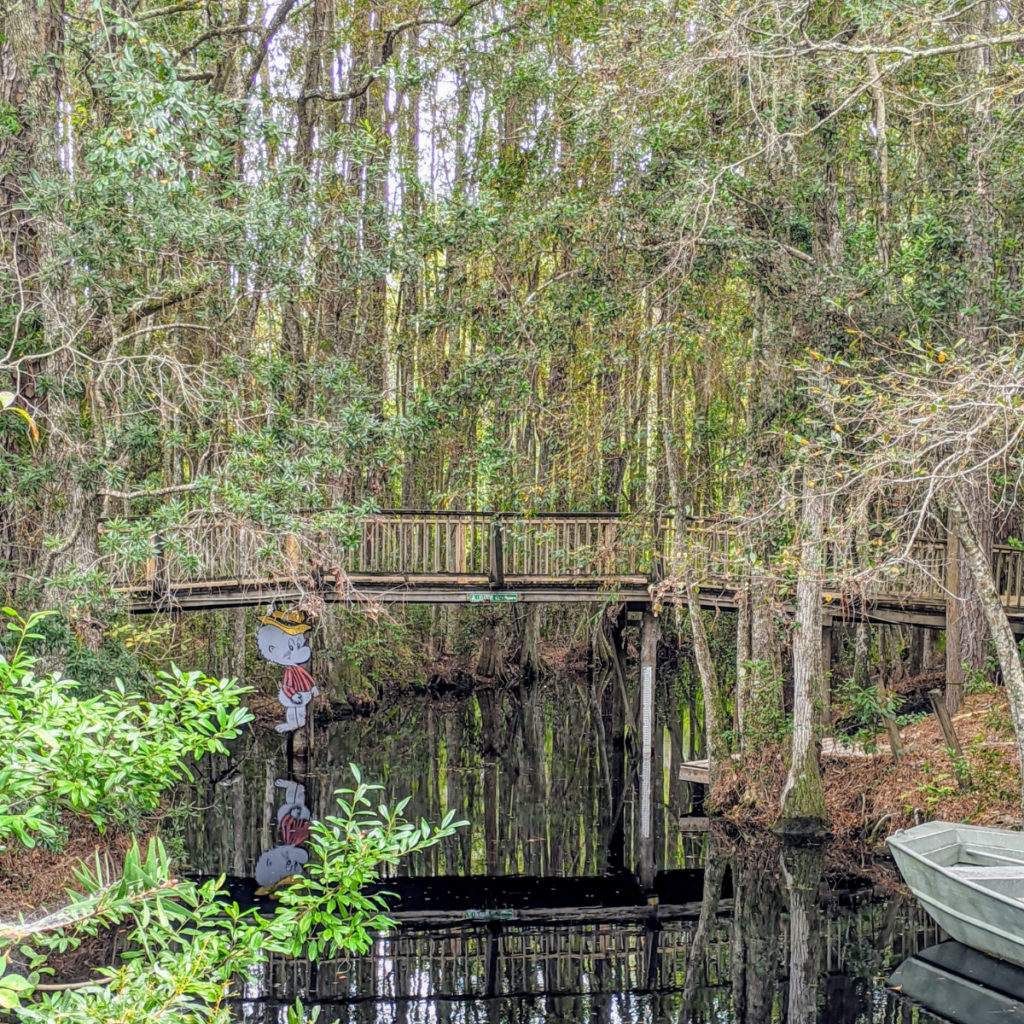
[970, 879]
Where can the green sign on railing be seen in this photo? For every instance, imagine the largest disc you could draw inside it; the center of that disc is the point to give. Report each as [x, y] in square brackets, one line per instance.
[489, 598]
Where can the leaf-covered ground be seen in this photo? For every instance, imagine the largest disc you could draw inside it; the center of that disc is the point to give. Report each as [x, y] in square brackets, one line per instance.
[869, 795]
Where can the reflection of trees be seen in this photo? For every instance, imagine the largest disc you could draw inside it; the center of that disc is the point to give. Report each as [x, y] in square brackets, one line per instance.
[540, 773]
[490, 731]
[544, 774]
[757, 929]
[801, 871]
[232, 814]
[696, 968]
[632, 969]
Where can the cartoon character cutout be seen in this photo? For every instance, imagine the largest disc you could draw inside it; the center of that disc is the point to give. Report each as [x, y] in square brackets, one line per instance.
[278, 864]
[293, 815]
[293, 819]
[282, 640]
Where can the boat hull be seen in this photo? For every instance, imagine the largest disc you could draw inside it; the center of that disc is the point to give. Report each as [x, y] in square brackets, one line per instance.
[970, 880]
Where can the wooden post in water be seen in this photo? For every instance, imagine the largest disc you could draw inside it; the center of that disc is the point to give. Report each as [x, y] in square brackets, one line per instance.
[648, 666]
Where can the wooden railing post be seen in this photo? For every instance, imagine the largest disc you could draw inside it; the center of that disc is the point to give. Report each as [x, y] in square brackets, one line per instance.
[460, 546]
[609, 549]
[496, 556]
[156, 567]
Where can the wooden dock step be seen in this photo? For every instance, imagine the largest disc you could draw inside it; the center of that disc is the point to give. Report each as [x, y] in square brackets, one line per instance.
[691, 823]
[699, 772]
[695, 771]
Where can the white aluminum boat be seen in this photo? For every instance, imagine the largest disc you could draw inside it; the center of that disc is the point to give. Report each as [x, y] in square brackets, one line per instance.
[970, 880]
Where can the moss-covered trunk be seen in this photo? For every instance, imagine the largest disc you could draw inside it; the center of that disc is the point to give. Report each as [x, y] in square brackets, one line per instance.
[803, 796]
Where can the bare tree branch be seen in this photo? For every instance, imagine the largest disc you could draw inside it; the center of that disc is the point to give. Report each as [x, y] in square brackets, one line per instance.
[387, 48]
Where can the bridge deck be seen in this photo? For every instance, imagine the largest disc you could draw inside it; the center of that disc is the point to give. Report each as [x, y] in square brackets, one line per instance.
[472, 557]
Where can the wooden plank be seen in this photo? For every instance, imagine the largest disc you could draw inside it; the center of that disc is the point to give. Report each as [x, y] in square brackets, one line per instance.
[695, 771]
[694, 823]
[460, 545]
[949, 733]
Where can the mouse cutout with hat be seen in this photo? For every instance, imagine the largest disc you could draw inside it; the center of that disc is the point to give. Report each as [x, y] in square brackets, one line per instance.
[282, 639]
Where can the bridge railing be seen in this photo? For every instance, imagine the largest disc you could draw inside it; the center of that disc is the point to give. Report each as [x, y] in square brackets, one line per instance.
[593, 546]
[918, 572]
[542, 548]
[418, 544]
[1008, 571]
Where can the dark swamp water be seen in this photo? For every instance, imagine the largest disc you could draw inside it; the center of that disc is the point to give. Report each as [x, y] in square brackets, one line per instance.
[534, 912]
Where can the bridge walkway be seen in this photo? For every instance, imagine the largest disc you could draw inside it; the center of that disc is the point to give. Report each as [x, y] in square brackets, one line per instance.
[493, 557]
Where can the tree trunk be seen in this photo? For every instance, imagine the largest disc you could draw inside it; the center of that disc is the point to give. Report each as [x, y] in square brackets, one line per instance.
[529, 651]
[979, 564]
[489, 663]
[973, 629]
[716, 748]
[803, 797]
[743, 659]
[862, 655]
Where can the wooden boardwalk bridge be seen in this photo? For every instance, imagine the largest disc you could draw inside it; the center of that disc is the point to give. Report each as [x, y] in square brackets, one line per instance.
[496, 557]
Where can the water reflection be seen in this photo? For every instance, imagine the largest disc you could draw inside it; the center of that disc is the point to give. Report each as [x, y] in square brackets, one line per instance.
[293, 817]
[965, 986]
[801, 871]
[545, 776]
[682, 964]
[534, 912]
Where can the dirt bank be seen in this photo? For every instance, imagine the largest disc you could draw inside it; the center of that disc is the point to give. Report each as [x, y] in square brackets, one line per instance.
[869, 793]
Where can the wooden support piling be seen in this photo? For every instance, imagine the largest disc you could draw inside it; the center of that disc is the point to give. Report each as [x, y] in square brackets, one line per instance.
[497, 556]
[648, 666]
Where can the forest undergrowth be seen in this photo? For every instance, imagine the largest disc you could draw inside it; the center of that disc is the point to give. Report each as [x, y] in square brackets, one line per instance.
[869, 794]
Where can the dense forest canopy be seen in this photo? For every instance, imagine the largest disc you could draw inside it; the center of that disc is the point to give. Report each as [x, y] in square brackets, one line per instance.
[269, 266]
[635, 257]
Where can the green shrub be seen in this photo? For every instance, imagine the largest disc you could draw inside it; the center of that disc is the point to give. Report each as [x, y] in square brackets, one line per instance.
[112, 755]
[109, 757]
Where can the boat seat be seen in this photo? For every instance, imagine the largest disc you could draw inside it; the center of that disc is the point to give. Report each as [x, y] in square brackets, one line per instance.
[987, 871]
[980, 856]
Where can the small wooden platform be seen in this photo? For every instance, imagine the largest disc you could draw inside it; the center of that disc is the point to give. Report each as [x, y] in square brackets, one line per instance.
[694, 824]
[700, 773]
[695, 771]
[831, 747]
